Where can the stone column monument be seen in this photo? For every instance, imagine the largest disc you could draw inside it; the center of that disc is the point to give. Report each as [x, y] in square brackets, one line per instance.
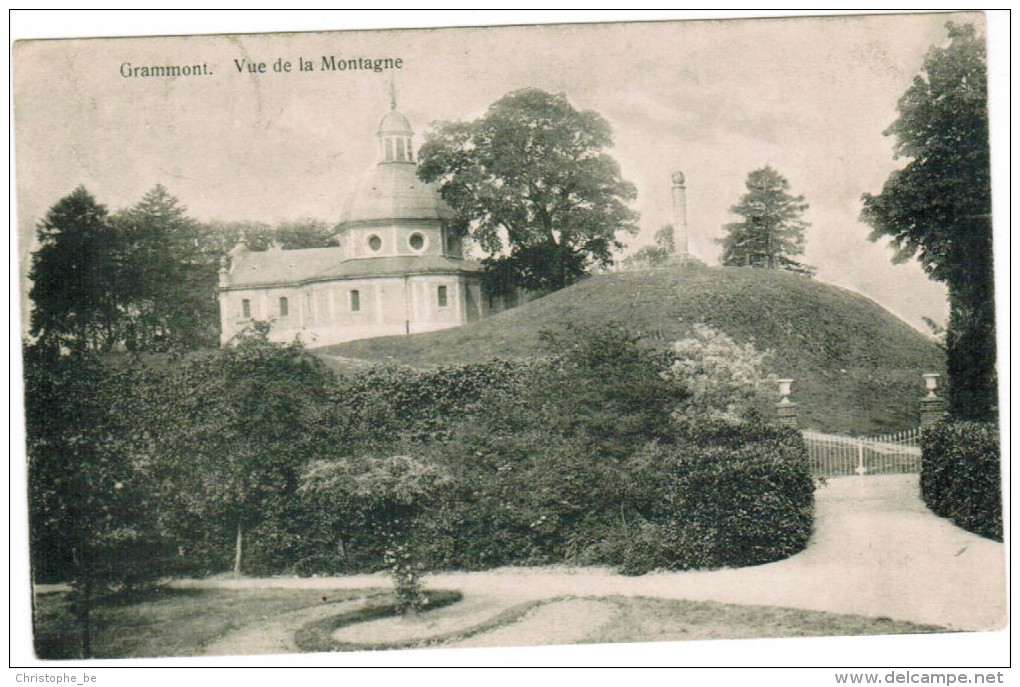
[680, 247]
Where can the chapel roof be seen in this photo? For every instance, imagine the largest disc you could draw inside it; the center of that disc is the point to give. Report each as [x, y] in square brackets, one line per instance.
[293, 267]
[393, 191]
[394, 123]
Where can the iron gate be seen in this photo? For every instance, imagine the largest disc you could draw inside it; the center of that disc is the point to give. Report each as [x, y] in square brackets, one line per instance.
[834, 455]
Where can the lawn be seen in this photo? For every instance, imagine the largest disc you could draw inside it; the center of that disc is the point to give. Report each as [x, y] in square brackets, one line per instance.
[170, 622]
[651, 620]
[178, 622]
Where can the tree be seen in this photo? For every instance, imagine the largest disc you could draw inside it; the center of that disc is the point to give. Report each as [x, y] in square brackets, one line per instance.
[604, 385]
[232, 433]
[772, 229]
[92, 509]
[532, 183]
[664, 240]
[658, 254]
[172, 299]
[137, 278]
[76, 296]
[938, 207]
[216, 238]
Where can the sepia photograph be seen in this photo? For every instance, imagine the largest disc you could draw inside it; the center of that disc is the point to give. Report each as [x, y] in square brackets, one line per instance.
[352, 343]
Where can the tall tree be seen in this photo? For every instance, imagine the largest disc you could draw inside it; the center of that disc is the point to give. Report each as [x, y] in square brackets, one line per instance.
[76, 298]
[138, 278]
[938, 207]
[532, 183]
[771, 230]
[171, 285]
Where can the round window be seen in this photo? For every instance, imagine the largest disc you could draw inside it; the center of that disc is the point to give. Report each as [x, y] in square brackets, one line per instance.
[417, 241]
[374, 242]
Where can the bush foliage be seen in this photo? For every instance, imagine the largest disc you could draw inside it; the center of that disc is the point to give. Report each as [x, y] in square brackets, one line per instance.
[961, 475]
[389, 401]
[579, 457]
[727, 381]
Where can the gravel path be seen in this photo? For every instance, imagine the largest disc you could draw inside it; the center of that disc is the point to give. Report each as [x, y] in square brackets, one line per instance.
[876, 551]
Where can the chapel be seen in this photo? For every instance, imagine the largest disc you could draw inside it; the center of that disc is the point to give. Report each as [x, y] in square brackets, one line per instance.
[398, 268]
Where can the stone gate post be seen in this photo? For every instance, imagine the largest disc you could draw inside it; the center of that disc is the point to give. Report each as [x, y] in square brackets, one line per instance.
[786, 410]
[933, 407]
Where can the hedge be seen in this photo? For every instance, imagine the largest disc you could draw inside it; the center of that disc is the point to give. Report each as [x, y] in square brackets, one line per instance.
[742, 497]
[529, 499]
[575, 459]
[574, 465]
[386, 402]
[578, 458]
[961, 475]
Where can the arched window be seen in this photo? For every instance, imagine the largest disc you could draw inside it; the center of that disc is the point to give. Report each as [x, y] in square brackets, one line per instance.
[246, 309]
[284, 307]
[355, 300]
[441, 295]
[400, 149]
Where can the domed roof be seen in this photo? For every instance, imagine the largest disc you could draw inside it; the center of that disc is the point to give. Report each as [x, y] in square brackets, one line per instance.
[394, 123]
[391, 191]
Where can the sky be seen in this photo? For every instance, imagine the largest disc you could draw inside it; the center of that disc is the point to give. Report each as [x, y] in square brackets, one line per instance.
[715, 99]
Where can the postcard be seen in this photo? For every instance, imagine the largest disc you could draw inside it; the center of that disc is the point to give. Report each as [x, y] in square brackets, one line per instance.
[350, 343]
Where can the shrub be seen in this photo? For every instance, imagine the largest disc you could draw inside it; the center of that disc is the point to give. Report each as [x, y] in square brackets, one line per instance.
[744, 507]
[733, 501]
[960, 475]
[725, 381]
[92, 508]
[603, 384]
[405, 569]
[230, 434]
[574, 458]
[372, 506]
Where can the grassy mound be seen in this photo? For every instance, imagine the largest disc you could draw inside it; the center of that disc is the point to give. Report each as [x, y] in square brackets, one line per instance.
[856, 367]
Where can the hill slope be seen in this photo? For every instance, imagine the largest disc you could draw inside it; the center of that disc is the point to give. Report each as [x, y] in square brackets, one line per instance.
[856, 367]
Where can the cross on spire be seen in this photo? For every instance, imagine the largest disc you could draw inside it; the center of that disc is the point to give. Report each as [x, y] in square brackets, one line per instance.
[393, 93]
